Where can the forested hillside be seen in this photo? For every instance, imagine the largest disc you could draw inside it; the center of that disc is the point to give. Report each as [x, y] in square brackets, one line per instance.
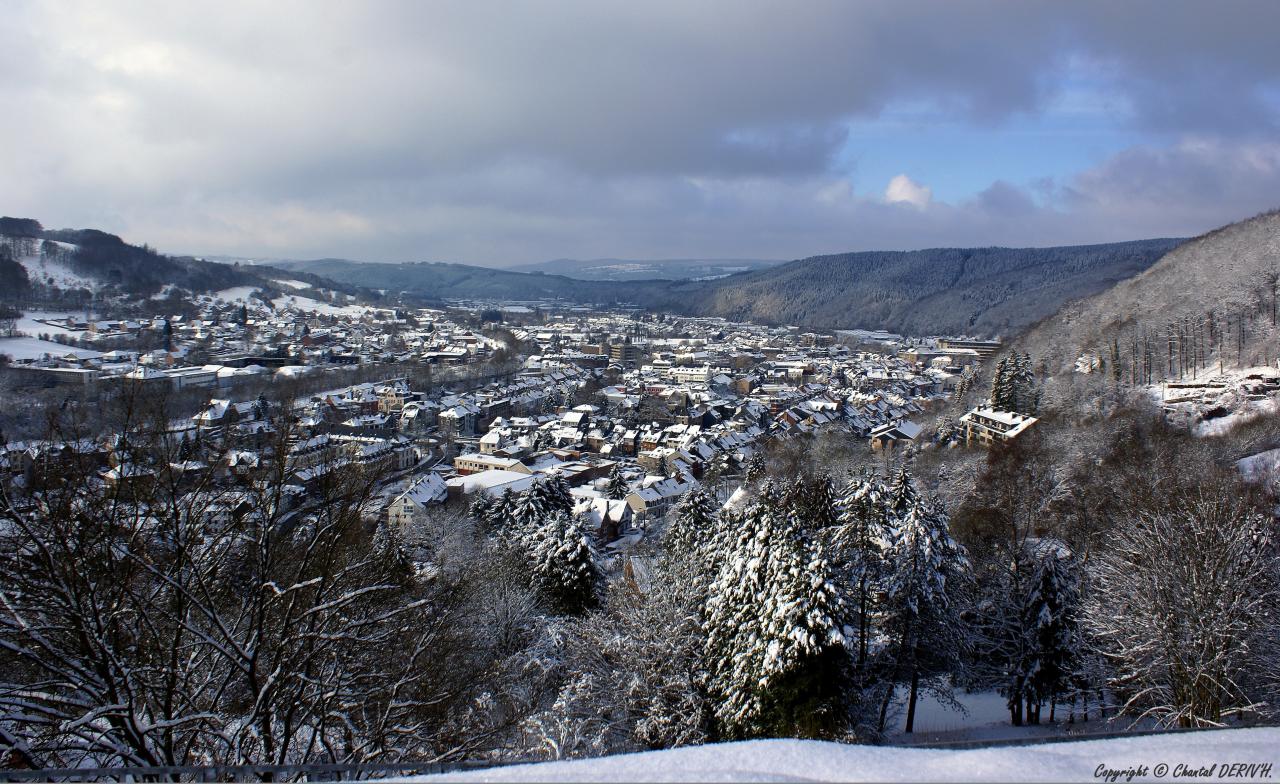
[90, 262]
[1213, 299]
[448, 281]
[988, 291]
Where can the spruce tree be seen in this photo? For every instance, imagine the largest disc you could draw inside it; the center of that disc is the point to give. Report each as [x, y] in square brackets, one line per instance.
[563, 566]
[1001, 391]
[815, 501]
[775, 649]
[857, 546]
[1024, 396]
[1049, 617]
[618, 488]
[694, 530]
[926, 571]
[545, 497]
[481, 510]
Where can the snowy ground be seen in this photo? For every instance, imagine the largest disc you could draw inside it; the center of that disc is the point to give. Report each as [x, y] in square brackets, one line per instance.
[294, 284]
[31, 348]
[1223, 425]
[797, 760]
[32, 324]
[235, 294]
[986, 717]
[315, 306]
[55, 273]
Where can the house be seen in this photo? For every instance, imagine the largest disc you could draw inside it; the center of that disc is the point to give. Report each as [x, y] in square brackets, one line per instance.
[887, 436]
[492, 483]
[988, 426]
[656, 495]
[474, 463]
[409, 506]
[607, 517]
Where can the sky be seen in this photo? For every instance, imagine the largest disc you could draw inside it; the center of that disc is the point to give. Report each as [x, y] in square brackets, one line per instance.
[508, 132]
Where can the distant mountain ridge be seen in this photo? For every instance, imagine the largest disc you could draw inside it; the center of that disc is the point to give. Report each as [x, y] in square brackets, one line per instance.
[977, 291]
[987, 291]
[646, 269]
[983, 291]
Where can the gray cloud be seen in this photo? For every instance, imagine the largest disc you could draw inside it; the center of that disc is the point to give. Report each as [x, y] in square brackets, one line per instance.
[495, 132]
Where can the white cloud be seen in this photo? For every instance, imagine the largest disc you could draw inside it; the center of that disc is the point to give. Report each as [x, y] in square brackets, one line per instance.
[400, 130]
[903, 189]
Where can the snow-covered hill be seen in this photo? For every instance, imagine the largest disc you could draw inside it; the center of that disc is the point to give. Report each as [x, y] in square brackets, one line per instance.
[799, 760]
[56, 272]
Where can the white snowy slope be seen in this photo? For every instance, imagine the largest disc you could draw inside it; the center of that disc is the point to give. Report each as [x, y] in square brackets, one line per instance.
[800, 760]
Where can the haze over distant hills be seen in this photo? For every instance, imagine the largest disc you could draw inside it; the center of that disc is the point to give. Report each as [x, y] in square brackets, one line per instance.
[645, 269]
[978, 291]
[987, 291]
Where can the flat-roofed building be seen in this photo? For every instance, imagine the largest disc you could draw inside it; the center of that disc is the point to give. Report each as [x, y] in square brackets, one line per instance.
[988, 426]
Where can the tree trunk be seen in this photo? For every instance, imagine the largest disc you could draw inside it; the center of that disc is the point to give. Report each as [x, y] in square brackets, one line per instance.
[911, 702]
[1015, 704]
[884, 705]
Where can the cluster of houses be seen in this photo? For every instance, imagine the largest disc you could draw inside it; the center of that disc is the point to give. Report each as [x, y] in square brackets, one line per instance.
[629, 409]
[228, 342]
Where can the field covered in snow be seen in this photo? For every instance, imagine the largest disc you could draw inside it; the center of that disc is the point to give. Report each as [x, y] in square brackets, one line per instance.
[315, 306]
[32, 323]
[32, 348]
[294, 284]
[235, 294]
[800, 760]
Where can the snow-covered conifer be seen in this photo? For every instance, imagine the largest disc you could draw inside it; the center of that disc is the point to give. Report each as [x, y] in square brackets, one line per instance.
[1050, 618]
[857, 547]
[921, 587]
[618, 488]
[563, 565]
[775, 649]
[756, 467]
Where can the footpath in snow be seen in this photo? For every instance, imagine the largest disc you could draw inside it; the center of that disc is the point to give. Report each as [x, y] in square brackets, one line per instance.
[1212, 755]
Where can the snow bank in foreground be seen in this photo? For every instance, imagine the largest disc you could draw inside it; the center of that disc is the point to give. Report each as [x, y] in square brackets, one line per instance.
[800, 760]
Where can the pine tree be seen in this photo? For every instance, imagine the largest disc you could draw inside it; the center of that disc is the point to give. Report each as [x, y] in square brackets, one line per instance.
[618, 488]
[481, 510]
[1013, 387]
[756, 467]
[857, 548]
[1001, 391]
[775, 649]
[902, 496]
[563, 565]
[927, 570]
[815, 502]
[1025, 395]
[1050, 618]
[694, 530]
[545, 497]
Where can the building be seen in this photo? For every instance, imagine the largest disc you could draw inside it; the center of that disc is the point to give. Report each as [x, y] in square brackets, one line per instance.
[626, 353]
[475, 463]
[889, 435]
[984, 348]
[988, 426]
[409, 505]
